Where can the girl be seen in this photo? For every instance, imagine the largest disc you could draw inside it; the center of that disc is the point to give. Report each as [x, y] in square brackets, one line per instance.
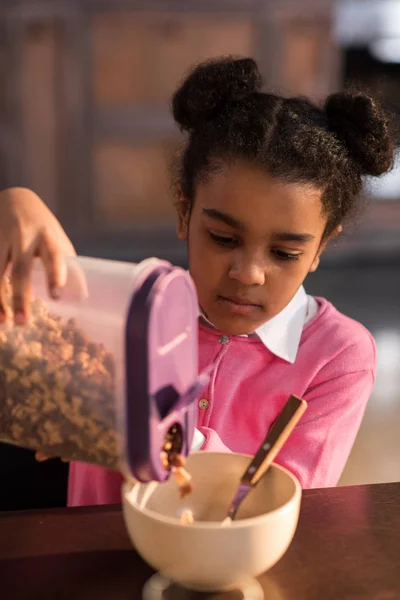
[263, 184]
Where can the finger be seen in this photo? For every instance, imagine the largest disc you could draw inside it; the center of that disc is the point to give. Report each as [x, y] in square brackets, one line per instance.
[5, 298]
[41, 457]
[21, 284]
[55, 264]
[4, 286]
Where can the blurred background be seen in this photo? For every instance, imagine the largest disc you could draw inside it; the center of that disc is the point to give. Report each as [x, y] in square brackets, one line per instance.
[84, 121]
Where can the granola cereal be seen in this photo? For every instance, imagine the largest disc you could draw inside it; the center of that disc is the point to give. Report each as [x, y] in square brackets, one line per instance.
[187, 517]
[182, 476]
[57, 390]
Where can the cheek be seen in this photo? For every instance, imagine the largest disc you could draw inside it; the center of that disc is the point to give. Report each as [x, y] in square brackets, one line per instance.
[207, 266]
[313, 257]
[297, 272]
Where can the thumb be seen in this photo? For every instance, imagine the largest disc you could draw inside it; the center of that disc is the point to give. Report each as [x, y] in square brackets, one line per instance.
[41, 457]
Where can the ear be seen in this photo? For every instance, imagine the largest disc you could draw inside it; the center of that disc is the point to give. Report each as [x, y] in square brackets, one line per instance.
[333, 235]
[183, 211]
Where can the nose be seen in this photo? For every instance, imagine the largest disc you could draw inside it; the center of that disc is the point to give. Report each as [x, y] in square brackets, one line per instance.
[249, 271]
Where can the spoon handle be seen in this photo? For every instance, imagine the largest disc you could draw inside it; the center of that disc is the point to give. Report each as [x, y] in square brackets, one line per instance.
[275, 439]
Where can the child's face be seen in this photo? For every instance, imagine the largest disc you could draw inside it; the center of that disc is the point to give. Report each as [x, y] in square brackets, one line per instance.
[252, 240]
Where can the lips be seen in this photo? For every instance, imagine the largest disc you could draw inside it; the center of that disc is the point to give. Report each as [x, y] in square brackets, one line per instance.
[238, 306]
[240, 301]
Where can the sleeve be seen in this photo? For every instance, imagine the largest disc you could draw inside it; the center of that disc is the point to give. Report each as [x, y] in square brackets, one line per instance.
[319, 447]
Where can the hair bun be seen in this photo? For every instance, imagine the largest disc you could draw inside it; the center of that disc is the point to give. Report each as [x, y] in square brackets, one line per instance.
[362, 124]
[210, 87]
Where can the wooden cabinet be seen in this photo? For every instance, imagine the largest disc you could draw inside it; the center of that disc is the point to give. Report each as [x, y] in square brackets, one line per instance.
[85, 121]
[139, 57]
[132, 181]
[137, 60]
[299, 53]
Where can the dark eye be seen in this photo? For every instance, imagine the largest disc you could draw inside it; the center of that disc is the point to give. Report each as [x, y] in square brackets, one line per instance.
[286, 255]
[222, 240]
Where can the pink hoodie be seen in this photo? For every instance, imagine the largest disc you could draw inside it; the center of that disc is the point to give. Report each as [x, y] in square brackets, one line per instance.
[334, 370]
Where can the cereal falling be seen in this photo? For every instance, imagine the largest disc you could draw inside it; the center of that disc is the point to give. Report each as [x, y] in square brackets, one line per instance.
[182, 476]
[187, 517]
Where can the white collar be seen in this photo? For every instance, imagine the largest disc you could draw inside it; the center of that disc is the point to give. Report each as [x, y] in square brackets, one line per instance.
[281, 334]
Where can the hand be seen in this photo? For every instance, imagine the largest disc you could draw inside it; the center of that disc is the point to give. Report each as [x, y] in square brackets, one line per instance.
[28, 229]
[41, 457]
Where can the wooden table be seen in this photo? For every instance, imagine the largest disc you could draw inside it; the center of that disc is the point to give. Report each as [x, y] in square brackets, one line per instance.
[347, 547]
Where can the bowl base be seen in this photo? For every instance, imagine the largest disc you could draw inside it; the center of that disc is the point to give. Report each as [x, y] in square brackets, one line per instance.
[161, 588]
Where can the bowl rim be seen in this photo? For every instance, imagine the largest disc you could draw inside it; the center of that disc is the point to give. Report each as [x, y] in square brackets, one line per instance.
[213, 525]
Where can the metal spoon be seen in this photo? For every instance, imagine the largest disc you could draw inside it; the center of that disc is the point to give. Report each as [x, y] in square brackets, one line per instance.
[275, 439]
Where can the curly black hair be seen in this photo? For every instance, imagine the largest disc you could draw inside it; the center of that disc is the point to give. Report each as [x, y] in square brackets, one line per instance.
[227, 117]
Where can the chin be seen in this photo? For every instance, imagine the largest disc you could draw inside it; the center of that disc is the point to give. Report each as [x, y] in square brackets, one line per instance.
[235, 325]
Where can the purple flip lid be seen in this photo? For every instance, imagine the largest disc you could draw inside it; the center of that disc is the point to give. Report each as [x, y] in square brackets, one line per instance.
[162, 379]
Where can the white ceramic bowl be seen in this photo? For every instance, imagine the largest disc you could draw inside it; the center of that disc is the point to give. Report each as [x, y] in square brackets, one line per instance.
[205, 556]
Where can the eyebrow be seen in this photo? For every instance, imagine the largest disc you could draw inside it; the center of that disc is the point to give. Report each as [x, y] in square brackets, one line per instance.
[293, 237]
[217, 215]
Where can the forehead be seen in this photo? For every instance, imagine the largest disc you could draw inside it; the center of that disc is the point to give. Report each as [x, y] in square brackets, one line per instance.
[261, 202]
